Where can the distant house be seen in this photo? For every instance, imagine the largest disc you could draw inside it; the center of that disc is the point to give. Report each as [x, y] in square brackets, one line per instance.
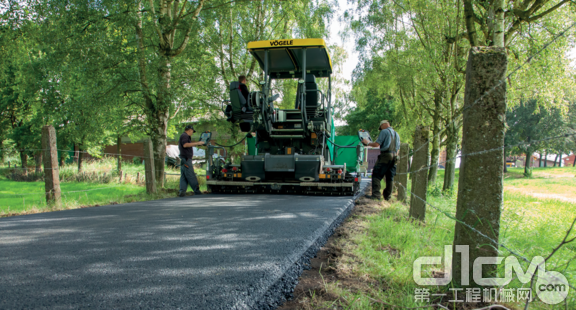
[131, 149]
[442, 160]
[569, 160]
[548, 161]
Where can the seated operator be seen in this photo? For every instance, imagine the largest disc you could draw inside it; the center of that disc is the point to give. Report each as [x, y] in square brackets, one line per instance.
[243, 87]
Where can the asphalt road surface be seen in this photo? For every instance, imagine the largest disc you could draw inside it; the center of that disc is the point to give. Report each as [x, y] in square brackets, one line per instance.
[205, 252]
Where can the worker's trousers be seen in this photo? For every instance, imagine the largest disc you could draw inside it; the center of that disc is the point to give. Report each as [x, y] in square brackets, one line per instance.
[385, 168]
[187, 176]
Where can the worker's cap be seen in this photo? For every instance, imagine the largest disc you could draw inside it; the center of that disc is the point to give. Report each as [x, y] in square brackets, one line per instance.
[384, 122]
[189, 127]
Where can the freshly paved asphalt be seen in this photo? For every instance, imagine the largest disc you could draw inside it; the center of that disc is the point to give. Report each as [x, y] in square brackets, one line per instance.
[206, 252]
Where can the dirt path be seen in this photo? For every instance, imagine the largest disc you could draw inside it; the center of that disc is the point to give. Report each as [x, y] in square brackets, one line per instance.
[568, 197]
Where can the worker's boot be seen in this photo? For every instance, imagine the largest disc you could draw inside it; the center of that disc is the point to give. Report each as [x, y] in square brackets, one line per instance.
[373, 197]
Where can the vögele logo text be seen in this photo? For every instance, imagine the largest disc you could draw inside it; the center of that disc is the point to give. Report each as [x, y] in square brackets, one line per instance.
[281, 42]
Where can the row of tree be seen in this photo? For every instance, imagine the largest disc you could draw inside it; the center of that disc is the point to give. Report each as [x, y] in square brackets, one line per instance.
[413, 64]
[101, 70]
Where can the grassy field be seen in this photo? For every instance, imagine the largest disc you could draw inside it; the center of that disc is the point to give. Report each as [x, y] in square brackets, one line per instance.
[532, 224]
[98, 185]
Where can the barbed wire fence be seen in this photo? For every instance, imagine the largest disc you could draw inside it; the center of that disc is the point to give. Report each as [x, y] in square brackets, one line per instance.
[500, 83]
[495, 243]
[93, 176]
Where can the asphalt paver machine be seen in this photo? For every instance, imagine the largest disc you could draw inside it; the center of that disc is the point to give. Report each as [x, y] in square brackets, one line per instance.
[294, 148]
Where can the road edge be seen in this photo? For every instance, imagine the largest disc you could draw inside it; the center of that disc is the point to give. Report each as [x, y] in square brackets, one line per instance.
[283, 288]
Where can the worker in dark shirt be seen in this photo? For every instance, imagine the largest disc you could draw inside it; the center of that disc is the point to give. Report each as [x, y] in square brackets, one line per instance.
[187, 175]
[243, 87]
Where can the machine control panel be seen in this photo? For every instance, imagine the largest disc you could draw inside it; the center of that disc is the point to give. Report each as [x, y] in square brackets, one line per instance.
[363, 134]
[205, 137]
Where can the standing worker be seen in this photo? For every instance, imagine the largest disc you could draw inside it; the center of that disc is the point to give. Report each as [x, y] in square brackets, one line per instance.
[187, 175]
[389, 143]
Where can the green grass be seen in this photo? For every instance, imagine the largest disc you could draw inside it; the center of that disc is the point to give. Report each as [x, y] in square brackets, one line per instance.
[530, 226]
[86, 189]
[16, 197]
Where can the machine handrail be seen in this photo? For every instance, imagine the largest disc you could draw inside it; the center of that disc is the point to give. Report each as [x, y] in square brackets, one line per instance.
[321, 95]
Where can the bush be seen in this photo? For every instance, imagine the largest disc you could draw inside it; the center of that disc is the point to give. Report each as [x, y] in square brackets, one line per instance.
[435, 190]
[18, 175]
[448, 192]
[137, 160]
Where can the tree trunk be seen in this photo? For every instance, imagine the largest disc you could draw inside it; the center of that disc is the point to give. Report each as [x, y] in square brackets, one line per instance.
[119, 151]
[470, 24]
[555, 160]
[528, 164]
[80, 156]
[480, 185]
[505, 166]
[435, 152]
[546, 159]
[24, 162]
[38, 161]
[450, 164]
[498, 34]
[540, 161]
[574, 162]
[2, 152]
[62, 159]
[161, 117]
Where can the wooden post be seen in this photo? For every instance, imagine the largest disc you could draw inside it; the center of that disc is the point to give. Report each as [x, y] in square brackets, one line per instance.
[419, 173]
[402, 177]
[480, 185]
[120, 174]
[119, 151]
[149, 167]
[50, 158]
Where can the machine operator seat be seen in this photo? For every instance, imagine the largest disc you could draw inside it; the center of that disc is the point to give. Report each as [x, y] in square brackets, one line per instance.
[240, 109]
[311, 93]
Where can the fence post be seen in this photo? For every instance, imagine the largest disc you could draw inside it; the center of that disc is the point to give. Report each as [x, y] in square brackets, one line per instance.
[480, 185]
[51, 170]
[419, 173]
[149, 167]
[402, 177]
[120, 173]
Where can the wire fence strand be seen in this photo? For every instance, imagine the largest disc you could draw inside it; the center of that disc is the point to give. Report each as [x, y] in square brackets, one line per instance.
[495, 242]
[500, 82]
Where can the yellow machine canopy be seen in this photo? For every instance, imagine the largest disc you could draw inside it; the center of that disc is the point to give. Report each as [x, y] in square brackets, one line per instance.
[287, 58]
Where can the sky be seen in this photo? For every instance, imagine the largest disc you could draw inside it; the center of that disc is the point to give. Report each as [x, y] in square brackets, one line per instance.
[336, 27]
